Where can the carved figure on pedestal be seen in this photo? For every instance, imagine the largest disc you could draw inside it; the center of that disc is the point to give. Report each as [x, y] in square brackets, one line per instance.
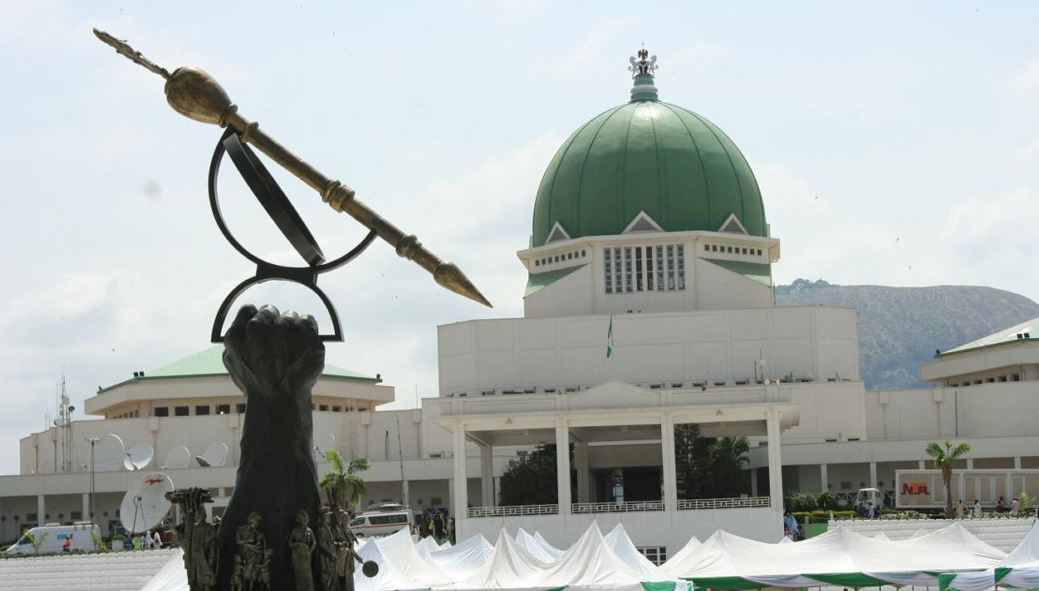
[253, 558]
[301, 544]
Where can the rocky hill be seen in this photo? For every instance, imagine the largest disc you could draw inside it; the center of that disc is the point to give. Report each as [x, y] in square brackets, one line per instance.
[900, 327]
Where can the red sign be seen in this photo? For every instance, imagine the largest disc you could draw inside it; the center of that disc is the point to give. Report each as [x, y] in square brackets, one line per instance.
[915, 488]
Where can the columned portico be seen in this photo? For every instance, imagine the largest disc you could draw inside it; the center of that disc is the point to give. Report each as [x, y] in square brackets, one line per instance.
[602, 422]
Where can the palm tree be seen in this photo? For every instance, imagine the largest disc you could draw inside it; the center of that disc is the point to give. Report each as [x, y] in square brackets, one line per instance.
[944, 459]
[342, 485]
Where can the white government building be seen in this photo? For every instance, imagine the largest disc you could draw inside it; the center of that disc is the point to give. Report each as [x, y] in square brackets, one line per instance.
[649, 239]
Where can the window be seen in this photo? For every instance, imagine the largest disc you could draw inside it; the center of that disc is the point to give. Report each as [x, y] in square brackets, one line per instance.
[180, 411]
[707, 248]
[1015, 377]
[240, 408]
[388, 519]
[644, 268]
[161, 411]
[537, 262]
[322, 407]
[655, 554]
[202, 409]
[223, 409]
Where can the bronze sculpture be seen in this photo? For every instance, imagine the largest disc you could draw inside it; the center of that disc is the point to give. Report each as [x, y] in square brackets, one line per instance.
[196, 537]
[196, 95]
[252, 559]
[301, 546]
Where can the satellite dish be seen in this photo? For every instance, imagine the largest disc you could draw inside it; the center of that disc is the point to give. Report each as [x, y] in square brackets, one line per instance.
[138, 457]
[144, 504]
[109, 453]
[214, 456]
[178, 457]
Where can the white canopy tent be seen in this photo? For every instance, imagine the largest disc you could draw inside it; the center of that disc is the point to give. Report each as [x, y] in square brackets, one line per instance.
[1019, 569]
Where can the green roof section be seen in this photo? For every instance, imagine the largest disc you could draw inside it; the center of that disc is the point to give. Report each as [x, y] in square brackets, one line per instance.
[210, 362]
[536, 283]
[1026, 331]
[651, 156]
[760, 272]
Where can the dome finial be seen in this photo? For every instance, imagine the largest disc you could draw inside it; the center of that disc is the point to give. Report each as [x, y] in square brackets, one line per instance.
[642, 70]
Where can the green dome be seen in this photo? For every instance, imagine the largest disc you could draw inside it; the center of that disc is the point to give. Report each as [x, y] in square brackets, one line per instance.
[650, 156]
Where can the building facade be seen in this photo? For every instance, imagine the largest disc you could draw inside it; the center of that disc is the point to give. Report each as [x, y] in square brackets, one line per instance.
[648, 308]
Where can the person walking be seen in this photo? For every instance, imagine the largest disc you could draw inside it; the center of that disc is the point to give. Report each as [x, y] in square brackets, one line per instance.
[1015, 505]
[977, 509]
[67, 545]
[1001, 506]
[156, 540]
[961, 509]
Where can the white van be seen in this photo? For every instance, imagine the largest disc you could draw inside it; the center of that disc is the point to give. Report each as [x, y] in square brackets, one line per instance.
[55, 536]
[383, 520]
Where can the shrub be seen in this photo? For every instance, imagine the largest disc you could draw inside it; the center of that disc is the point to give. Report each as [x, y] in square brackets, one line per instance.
[827, 500]
[801, 502]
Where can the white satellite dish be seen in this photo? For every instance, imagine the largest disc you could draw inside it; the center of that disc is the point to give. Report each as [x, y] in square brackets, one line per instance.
[178, 457]
[109, 453]
[144, 504]
[138, 457]
[214, 456]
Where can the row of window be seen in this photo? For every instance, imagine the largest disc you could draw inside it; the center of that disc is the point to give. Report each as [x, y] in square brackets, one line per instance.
[1003, 378]
[577, 254]
[630, 269]
[731, 249]
[223, 409]
[200, 410]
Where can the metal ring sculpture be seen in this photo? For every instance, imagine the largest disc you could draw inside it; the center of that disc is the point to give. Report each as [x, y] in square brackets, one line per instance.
[284, 215]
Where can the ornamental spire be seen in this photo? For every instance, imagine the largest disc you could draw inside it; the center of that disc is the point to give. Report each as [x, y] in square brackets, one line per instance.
[642, 70]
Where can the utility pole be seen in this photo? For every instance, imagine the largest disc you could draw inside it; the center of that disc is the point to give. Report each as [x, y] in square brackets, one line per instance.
[93, 512]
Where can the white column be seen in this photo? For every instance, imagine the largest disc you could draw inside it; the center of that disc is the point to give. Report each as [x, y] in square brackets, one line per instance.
[405, 491]
[41, 510]
[922, 465]
[873, 475]
[487, 476]
[86, 507]
[584, 475]
[824, 478]
[753, 482]
[1017, 462]
[563, 468]
[667, 448]
[460, 507]
[775, 462]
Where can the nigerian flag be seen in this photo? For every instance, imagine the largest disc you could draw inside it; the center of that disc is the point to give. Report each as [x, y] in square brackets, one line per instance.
[609, 339]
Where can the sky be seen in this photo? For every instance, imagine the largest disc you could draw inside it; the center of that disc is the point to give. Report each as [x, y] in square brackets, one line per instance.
[895, 143]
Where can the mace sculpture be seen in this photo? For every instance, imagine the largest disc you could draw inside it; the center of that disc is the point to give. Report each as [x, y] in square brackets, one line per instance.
[265, 540]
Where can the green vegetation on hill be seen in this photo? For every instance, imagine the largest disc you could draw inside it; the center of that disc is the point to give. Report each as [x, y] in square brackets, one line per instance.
[900, 327]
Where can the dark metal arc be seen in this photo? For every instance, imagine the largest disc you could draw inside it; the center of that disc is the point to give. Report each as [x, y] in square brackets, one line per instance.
[288, 221]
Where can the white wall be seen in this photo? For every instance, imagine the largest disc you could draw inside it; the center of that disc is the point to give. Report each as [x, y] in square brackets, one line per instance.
[549, 353]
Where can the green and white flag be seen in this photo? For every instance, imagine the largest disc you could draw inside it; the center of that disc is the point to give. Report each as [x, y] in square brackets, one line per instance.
[609, 339]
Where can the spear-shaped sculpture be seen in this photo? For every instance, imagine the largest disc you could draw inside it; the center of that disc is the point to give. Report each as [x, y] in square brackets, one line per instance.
[196, 95]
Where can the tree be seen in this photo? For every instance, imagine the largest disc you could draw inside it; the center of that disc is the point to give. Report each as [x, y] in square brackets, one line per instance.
[707, 467]
[342, 485]
[36, 540]
[530, 480]
[944, 460]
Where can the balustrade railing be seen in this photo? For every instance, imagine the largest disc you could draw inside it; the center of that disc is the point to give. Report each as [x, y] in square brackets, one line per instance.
[626, 507]
[733, 503]
[513, 510]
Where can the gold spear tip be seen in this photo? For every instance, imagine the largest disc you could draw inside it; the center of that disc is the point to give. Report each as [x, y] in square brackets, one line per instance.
[123, 48]
[451, 277]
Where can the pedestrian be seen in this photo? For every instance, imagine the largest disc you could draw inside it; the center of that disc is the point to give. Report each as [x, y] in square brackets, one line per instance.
[156, 540]
[871, 511]
[960, 509]
[977, 509]
[67, 545]
[1000, 505]
[1015, 506]
[148, 540]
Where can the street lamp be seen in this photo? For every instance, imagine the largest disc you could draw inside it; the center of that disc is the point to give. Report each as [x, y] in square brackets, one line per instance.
[92, 441]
